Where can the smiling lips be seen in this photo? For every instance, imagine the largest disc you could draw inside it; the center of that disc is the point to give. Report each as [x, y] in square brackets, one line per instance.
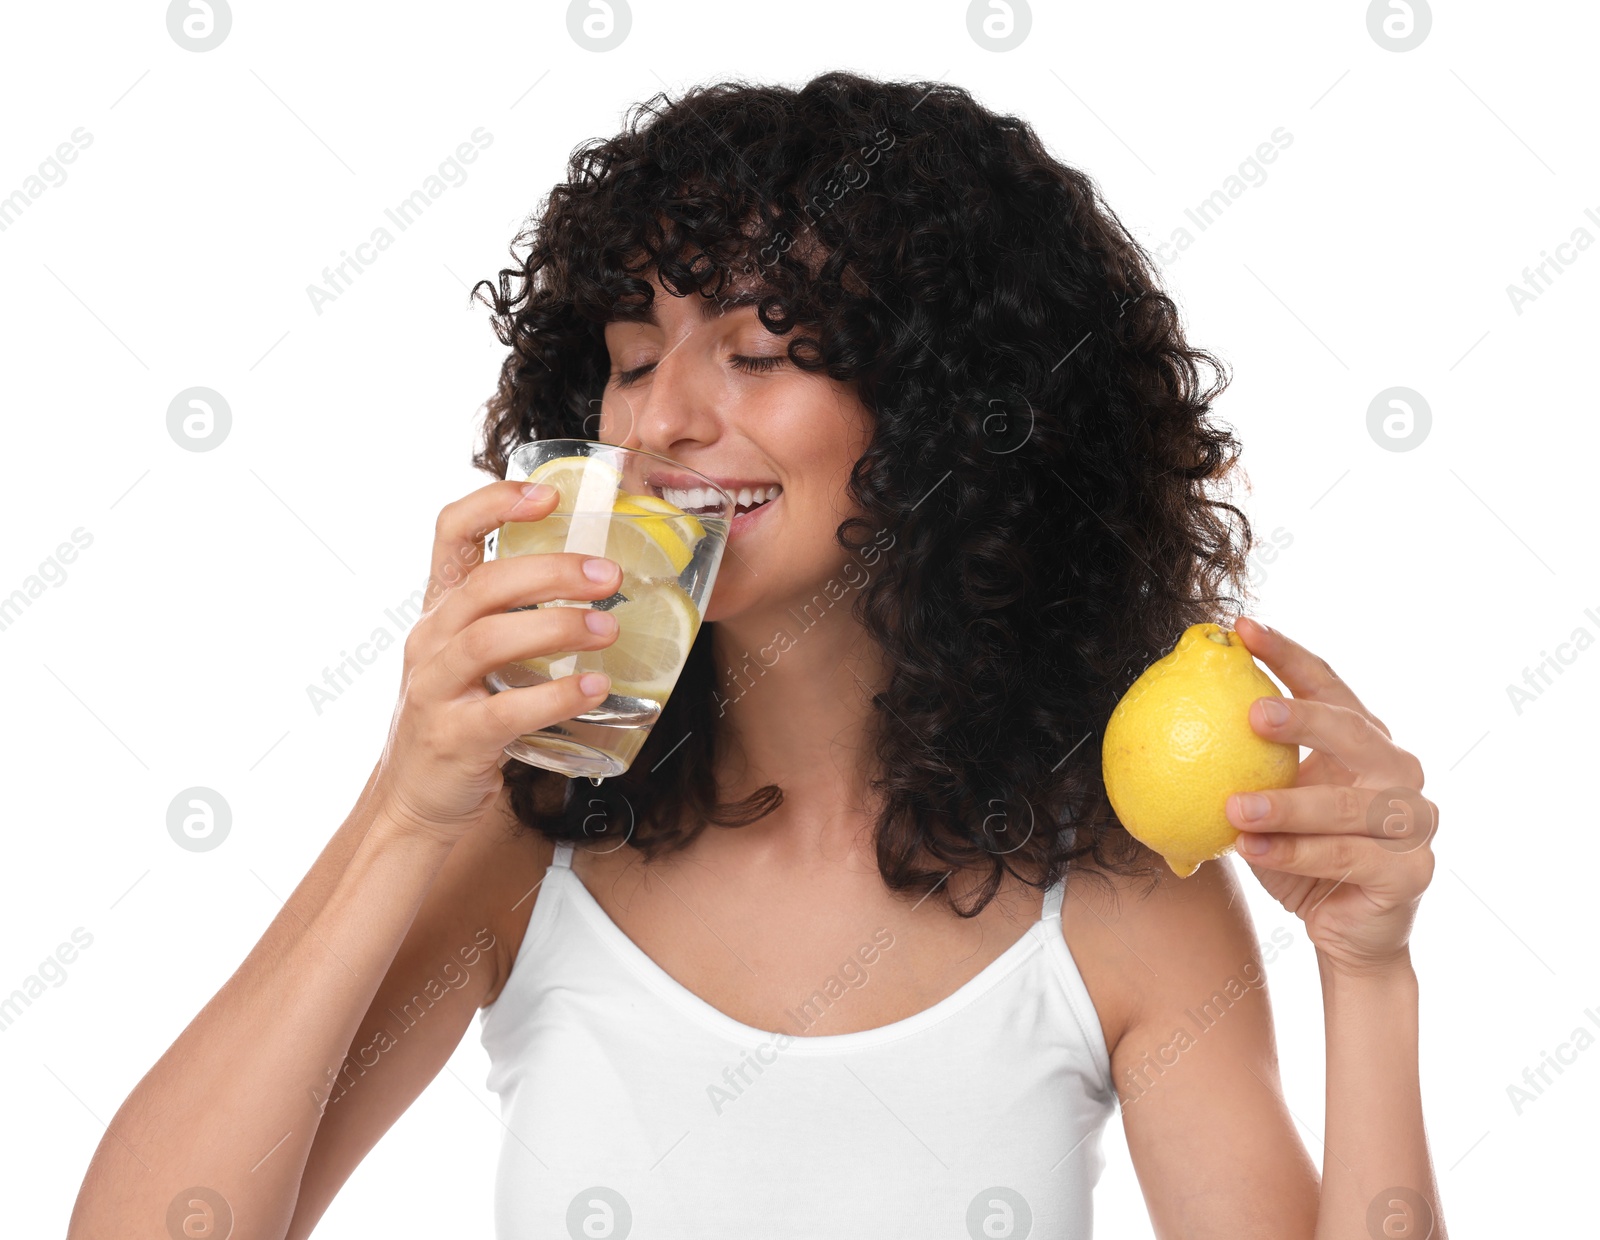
[700, 500]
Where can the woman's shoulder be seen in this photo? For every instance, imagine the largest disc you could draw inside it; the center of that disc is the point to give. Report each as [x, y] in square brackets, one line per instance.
[1144, 944]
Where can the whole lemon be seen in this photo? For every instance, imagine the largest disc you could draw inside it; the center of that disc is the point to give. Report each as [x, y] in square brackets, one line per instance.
[1179, 743]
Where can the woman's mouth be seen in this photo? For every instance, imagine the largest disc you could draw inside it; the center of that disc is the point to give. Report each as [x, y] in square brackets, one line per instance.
[701, 501]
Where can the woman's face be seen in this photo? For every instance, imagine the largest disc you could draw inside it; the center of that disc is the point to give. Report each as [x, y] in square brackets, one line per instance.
[701, 381]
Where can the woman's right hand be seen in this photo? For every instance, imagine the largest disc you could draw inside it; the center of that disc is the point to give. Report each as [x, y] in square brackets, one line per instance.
[440, 770]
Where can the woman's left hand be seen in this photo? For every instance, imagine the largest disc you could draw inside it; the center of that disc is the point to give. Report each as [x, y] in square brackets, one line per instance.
[1348, 848]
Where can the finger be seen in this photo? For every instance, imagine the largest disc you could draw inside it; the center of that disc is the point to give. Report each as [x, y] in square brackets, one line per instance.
[1341, 859]
[496, 640]
[1319, 768]
[1400, 819]
[523, 580]
[1350, 738]
[490, 723]
[1306, 675]
[464, 523]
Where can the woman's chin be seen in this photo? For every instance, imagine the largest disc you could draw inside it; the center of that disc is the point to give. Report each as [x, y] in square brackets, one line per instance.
[732, 597]
[723, 607]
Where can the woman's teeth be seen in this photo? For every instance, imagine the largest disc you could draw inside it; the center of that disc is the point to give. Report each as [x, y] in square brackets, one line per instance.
[700, 500]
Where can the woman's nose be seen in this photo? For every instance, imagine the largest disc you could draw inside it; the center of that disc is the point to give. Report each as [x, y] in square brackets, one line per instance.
[676, 407]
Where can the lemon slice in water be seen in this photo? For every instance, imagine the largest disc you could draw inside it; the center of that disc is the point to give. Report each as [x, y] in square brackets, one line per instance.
[674, 531]
[671, 529]
[567, 473]
[656, 617]
[658, 625]
[655, 503]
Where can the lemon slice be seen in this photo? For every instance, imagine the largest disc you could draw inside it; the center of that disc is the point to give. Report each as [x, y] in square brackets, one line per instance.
[646, 554]
[657, 627]
[657, 624]
[655, 503]
[533, 537]
[657, 620]
[566, 474]
[646, 545]
[674, 531]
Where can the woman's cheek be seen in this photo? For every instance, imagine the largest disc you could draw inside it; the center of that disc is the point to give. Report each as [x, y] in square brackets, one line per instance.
[616, 417]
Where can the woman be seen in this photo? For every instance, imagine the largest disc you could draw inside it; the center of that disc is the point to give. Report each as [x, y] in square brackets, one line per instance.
[856, 946]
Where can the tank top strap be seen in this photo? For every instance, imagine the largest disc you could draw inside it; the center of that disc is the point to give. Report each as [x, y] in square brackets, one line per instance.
[1052, 899]
[563, 856]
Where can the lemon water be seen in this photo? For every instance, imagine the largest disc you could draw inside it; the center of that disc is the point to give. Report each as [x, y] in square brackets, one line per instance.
[669, 561]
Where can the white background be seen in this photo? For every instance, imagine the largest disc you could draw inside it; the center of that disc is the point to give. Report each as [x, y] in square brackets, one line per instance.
[219, 585]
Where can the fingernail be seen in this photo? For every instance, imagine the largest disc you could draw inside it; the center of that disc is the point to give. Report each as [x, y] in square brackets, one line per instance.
[599, 622]
[1274, 711]
[537, 492]
[599, 571]
[1260, 624]
[1250, 806]
[594, 684]
[1255, 845]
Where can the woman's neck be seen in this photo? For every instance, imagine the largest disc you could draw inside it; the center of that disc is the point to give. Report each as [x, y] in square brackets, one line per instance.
[795, 710]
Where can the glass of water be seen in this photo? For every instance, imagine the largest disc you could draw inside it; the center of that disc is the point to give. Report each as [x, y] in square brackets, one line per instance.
[666, 525]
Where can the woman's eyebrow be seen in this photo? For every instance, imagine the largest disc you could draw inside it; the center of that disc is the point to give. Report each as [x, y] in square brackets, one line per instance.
[710, 308]
[715, 306]
[632, 312]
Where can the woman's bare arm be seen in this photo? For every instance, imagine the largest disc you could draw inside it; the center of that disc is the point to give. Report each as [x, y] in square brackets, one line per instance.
[228, 1107]
[1194, 1060]
[1377, 1176]
[232, 1109]
[454, 960]
[1196, 1070]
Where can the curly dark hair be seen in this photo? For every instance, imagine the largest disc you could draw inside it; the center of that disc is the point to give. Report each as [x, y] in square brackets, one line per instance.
[1044, 474]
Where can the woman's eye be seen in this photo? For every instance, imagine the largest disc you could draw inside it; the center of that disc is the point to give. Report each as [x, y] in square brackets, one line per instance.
[624, 377]
[757, 365]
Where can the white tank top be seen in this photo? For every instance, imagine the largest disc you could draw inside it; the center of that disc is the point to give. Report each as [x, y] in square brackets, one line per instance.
[632, 1107]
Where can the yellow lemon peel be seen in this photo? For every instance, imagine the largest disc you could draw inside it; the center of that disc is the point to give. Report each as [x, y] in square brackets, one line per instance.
[1179, 743]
